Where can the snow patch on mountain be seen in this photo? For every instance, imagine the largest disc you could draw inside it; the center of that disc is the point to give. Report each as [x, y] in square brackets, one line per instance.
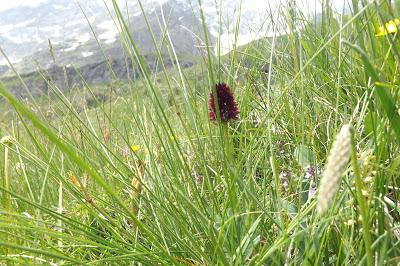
[86, 54]
[83, 38]
[110, 31]
[71, 48]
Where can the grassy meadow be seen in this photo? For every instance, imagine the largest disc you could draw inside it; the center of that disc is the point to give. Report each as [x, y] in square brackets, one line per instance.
[135, 173]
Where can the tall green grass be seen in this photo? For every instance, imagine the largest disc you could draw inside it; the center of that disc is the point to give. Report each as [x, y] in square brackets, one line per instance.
[200, 193]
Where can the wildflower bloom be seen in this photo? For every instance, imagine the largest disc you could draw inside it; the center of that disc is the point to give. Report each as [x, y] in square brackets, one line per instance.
[126, 151]
[226, 102]
[390, 27]
[335, 166]
[312, 172]
[284, 178]
[312, 190]
[368, 179]
[135, 148]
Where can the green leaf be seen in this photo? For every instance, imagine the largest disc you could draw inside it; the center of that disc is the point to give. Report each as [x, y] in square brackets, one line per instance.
[304, 156]
[248, 243]
[370, 122]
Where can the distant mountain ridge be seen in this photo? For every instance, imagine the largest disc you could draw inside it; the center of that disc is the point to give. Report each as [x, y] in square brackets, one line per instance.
[56, 36]
[66, 78]
[25, 30]
[71, 38]
[90, 61]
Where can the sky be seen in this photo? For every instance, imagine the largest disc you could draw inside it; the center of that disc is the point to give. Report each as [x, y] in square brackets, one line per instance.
[6, 4]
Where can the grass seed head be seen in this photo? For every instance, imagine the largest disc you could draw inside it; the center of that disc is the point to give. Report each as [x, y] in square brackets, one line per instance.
[335, 166]
[7, 140]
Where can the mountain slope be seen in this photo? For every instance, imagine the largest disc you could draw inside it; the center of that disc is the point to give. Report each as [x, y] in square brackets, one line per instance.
[25, 30]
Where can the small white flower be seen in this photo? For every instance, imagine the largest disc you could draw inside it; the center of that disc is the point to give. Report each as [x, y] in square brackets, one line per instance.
[285, 185]
[365, 192]
[312, 190]
[368, 179]
[335, 166]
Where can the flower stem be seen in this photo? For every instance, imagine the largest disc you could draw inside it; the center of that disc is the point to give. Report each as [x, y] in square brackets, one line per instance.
[7, 199]
[6, 195]
[361, 202]
[228, 154]
[227, 143]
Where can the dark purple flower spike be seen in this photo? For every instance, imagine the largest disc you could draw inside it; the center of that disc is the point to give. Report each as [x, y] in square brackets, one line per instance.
[226, 103]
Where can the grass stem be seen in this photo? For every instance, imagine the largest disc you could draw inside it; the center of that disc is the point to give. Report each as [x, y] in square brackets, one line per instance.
[361, 202]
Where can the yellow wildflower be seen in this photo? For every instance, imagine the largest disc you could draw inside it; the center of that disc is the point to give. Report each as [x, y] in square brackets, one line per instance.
[135, 148]
[390, 27]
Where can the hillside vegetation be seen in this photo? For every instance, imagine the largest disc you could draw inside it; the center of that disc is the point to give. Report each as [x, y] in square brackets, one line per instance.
[135, 173]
